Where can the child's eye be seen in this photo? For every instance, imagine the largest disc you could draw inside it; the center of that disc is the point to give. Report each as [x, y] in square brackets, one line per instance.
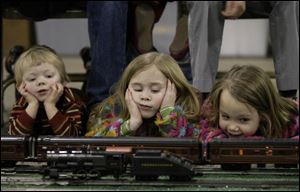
[137, 90]
[225, 117]
[155, 91]
[30, 80]
[49, 76]
[244, 120]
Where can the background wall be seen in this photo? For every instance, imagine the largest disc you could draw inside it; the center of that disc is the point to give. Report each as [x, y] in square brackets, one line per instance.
[66, 36]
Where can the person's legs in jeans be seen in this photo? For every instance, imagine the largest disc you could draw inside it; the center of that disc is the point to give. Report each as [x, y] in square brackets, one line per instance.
[107, 24]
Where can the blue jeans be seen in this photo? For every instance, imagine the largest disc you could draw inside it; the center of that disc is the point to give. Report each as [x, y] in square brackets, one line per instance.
[107, 25]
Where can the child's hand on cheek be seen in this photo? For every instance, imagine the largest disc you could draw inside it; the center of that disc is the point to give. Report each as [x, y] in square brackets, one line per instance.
[31, 99]
[135, 116]
[55, 93]
[170, 95]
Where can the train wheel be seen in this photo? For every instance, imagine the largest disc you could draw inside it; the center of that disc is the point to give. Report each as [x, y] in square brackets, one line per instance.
[8, 163]
[81, 174]
[261, 165]
[146, 178]
[180, 178]
[286, 166]
[116, 174]
[53, 173]
[94, 174]
[236, 167]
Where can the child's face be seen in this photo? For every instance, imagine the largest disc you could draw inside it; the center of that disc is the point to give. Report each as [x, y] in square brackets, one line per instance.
[39, 78]
[148, 88]
[236, 118]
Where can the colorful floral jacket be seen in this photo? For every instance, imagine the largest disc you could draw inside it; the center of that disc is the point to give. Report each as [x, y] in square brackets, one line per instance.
[168, 122]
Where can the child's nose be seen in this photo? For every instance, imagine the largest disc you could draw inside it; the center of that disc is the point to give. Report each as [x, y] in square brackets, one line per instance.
[233, 127]
[145, 96]
[41, 83]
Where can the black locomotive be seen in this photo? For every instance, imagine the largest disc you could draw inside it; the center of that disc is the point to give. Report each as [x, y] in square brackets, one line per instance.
[145, 158]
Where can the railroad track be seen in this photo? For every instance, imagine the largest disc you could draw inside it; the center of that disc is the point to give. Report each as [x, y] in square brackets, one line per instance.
[292, 183]
[263, 178]
[253, 171]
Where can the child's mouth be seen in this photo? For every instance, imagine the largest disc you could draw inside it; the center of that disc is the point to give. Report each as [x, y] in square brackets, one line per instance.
[145, 107]
[43, 92]
[234, 135]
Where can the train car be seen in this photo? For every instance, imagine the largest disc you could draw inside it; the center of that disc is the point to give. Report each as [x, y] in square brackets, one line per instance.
[15, 148]
[244, 152]
[150, 164]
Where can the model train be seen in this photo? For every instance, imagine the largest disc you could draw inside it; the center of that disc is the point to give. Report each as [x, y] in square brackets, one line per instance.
[142, 157]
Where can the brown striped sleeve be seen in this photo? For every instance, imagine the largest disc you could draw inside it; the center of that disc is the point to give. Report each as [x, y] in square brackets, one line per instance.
[69, 122]
[20, 123]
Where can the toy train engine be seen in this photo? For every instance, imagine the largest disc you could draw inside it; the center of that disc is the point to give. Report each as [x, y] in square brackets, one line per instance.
[186, 147]
[95, 156]
[84, 165]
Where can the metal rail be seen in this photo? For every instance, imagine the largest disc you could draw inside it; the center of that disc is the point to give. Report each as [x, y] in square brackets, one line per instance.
[254, 179]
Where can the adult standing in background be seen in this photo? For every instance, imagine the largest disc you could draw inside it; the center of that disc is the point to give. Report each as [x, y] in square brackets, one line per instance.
[206, 22]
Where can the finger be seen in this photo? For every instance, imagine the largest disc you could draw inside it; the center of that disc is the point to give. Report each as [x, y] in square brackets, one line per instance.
[129, 100]
[173, 94]
[60, 89]
[169, 86]
[233, 10]
[228, 13]
[23, 85]
[130, 96]
[230, 9]
[227, 9]
[130, 103]
[174, 90]
[127, 95]
[55, 89]
[52, 90]
[22, 89]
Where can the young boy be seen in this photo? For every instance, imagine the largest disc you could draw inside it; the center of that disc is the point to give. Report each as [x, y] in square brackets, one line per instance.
[46, 106]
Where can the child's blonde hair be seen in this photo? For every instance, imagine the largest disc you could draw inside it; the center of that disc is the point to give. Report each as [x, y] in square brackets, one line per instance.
[187, 96]
[252, 86]
[36, 55]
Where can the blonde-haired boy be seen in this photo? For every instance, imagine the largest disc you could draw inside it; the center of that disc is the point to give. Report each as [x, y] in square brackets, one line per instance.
[46, 106]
